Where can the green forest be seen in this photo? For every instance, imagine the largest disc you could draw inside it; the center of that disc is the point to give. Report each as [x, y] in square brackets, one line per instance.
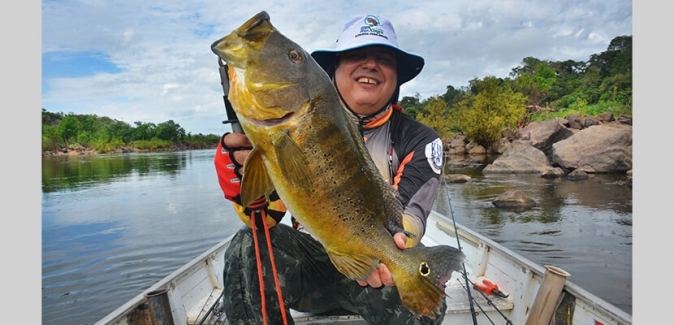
[536, 90]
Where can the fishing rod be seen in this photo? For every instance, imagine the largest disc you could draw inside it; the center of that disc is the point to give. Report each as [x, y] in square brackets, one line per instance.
[464, 273]
[231, 115]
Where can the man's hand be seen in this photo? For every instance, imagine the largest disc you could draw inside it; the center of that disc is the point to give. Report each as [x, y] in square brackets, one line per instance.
[382, 275]
[237, 141]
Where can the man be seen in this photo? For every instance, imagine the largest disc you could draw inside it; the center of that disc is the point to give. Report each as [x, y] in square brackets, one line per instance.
[367, 68]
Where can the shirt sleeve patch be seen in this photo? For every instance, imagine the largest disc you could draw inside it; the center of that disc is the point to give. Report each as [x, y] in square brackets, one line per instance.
[434, 154]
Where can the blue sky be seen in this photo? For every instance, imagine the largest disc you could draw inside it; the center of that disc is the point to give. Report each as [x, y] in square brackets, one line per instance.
[153, 51]
[151, 62]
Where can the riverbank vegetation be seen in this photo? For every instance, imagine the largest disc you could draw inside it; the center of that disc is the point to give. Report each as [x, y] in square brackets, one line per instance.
[103, 134]
[537, 90]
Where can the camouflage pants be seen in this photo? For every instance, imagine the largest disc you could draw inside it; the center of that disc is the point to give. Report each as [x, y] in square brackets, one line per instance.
[309, 283]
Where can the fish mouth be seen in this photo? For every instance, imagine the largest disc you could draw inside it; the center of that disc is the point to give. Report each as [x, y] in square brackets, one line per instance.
[272, 121]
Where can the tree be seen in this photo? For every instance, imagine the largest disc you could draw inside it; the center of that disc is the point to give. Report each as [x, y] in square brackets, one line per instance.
[616, 59]
[170, 131]
[51, 118]
[534, 80]
[435, 115]
[568, 79]
[68, 128]
[144, 131]
[121, 131]
[482, 115]
[453, 95]
[50, 138]
[411, 105]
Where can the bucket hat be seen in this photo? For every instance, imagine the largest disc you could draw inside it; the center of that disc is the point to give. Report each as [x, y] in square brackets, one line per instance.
[367, 30]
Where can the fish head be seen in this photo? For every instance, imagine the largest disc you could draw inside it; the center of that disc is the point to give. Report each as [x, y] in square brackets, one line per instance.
[272, 79]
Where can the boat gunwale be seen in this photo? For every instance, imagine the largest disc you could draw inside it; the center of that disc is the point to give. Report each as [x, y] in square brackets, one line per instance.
[116, 315]
[443, 224]
[588, 298]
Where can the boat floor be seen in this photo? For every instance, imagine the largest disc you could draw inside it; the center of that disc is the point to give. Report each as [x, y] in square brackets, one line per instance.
[457, 302]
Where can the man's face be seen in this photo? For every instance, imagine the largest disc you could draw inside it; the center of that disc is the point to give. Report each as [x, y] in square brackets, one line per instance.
[367, 77]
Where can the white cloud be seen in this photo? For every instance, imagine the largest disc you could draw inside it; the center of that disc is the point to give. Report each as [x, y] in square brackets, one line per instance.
[169, 72]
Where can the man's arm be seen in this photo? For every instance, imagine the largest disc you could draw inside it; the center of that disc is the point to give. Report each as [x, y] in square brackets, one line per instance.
[229, 158]
[417, 178]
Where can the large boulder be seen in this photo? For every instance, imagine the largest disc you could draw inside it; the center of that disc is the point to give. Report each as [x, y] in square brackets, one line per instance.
[605, 148]
[543, 134]
[499, 146]
[515, 200]
[457, 145]
[520, 158]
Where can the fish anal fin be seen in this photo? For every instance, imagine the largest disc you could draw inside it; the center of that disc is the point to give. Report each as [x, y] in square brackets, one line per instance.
[255, 181]
[357, 267]
[291, 160]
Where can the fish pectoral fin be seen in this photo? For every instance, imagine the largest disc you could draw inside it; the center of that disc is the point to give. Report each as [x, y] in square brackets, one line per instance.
[255, 181]
[357, 267]
[291, 160]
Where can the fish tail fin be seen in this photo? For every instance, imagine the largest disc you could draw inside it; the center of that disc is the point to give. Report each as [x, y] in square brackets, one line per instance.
[421, 282]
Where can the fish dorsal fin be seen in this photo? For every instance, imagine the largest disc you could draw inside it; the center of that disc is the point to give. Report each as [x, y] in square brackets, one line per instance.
[255, 181]
[291, 160]
[356, 267]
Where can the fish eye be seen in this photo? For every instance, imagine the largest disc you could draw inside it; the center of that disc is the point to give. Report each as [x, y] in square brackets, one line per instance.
[424, 270]
[295, 56]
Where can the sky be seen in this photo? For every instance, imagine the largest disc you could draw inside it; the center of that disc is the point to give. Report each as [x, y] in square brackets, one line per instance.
[144, 51]
[151, 61]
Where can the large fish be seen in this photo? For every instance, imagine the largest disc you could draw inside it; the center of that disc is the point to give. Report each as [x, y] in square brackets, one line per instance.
[308, 150]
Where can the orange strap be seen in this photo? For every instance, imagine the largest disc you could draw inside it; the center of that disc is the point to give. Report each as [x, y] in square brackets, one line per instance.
[273, 266]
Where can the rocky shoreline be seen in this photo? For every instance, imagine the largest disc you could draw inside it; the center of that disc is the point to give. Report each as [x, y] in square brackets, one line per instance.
[81, 150]
[573, 147]
[570, 147]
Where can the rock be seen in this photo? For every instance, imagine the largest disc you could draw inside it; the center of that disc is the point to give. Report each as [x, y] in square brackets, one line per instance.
[457, 178]
[589, 121]
[624, 119]
[577, 175]
[477, 150]
[553, 173]
[605, 148]
[457, 145]
[520, 158]
[458, 151]
[514, 199]
[574, 121]
[606, 117]
[543, 134]
[499, 146]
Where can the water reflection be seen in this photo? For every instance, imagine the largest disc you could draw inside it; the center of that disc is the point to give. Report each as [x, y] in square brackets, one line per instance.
[76, 172]
[112, 225]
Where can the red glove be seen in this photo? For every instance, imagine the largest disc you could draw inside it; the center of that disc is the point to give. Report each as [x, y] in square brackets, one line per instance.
[229, 177]
[228, 170]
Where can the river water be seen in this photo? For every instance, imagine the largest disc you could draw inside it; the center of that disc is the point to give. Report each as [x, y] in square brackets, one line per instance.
[112, 225]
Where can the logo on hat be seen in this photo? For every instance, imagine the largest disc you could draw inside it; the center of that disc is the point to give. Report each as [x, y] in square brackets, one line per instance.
[371, 20]
[371, 27]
